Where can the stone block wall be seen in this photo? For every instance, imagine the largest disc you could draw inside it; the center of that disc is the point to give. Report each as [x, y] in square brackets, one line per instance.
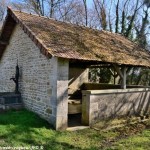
[105, 104]
[60, 93]
[38, 75]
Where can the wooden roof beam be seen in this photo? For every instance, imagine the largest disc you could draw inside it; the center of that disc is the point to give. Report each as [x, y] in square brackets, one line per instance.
[122, 72]
[118, 70]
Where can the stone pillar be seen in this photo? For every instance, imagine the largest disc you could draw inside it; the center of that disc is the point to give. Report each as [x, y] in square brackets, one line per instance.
[85, 108]
[62, 94]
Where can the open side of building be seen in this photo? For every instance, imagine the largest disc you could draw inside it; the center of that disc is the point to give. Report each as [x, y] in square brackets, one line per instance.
[54, 57]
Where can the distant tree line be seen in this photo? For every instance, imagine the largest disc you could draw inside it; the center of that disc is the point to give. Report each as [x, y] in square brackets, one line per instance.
[130, 18]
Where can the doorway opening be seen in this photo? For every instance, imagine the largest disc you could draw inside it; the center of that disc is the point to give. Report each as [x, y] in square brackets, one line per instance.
[74, 112]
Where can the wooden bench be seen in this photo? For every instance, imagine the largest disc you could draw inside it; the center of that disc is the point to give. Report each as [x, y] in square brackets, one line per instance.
[74, 106]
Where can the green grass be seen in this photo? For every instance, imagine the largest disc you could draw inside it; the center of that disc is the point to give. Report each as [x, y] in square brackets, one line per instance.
[137, 142]
[24, 128]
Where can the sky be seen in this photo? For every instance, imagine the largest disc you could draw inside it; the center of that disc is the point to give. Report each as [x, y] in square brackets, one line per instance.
[89, 2]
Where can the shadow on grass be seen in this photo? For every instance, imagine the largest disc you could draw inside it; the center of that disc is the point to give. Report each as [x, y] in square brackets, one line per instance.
[24, 128]
[23, 118]
[30, 137]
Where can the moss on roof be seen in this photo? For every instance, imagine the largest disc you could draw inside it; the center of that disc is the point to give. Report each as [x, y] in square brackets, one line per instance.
[70, 41]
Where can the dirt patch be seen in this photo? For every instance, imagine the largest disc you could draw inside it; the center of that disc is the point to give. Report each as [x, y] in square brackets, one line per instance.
[125, 132]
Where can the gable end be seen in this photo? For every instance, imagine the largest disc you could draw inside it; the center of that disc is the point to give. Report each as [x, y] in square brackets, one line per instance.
[7, 29]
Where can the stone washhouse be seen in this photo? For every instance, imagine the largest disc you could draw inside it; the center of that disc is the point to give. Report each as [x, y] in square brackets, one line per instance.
[54, 57]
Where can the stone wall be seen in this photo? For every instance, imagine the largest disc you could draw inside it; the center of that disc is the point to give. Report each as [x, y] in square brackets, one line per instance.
[103, 86]
[60, 93]
[105, 104]
[38, 75]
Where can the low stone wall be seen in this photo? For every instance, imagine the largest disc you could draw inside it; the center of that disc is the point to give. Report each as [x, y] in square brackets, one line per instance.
[104, 104]
[103, 86]
[10, 100]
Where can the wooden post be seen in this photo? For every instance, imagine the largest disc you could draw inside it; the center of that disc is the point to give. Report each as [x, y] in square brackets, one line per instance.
[124, 78]
[123, 75]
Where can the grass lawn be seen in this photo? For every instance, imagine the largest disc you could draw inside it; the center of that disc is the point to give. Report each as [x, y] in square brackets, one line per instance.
[24, 128]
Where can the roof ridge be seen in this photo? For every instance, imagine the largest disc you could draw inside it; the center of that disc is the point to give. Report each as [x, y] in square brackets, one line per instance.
[106, 31]
[12, 10]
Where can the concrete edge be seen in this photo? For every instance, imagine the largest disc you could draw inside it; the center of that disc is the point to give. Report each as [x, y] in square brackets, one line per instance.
[115, 91]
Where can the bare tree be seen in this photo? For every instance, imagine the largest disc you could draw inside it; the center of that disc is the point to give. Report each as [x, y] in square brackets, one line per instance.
[117, 17]
[101, 13]
[66, 9]
[147, 3]
[38, 6]
[141, 29]
[53, 6]
[86, 12]
[72, 11]
[109, 17]
[141, 35]
[130, 26]
[35, 6]
[3, 5]
[77, 15]
[17, 5]
[123, 21]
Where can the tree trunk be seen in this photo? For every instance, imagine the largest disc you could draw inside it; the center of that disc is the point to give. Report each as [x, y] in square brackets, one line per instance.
[86, 13]
[129, 29]
[52, 9]
[117, 17]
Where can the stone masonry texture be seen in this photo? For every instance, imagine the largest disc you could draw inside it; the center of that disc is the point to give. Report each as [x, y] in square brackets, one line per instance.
[103, 106]
[38, 76]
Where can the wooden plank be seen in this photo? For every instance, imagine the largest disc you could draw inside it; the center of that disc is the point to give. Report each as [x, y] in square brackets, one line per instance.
[74, 106]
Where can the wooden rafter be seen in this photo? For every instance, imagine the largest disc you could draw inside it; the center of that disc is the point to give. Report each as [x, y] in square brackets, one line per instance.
[118, 70]
[122, 72]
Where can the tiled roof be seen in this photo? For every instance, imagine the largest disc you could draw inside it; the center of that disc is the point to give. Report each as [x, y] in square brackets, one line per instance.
[61, 39]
